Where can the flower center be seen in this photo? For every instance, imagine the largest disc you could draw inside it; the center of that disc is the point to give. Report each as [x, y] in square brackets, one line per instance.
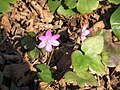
[48, 41]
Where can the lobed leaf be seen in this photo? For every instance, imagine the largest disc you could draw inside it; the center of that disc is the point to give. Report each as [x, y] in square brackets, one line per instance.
[45, 75]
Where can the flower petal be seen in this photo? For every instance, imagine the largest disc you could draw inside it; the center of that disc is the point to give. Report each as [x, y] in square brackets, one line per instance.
[42, 38]
[83, 38]
[84, 27]
[49, 48]
[85, 33]
[48, 34]
[41, 45]
[54, 37]
[55, 43]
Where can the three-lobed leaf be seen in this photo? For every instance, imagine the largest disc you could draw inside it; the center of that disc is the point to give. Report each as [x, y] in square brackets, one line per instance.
[45, 75]
[82, 63]
[115, 23]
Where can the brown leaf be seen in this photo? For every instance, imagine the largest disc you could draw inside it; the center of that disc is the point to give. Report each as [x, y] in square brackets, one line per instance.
[6, 23]
[44, 86]
[118, 68]
[96, 27]
[46, 15]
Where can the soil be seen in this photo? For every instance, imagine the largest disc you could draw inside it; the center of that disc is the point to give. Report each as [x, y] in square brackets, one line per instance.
[34, 16]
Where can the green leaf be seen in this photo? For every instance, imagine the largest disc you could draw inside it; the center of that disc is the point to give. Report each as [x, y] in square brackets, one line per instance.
[87, 6]
[115, 23]
[12, 1]
[54, 4]
[1, 77]
[95, 64]
[31, 34]
[79, 62]
[82, 78]
[71, 3]
[87, 78]
[106, 35]
[45, 75]
[1, 14]
[71, 77]
[66, 12]
[93, 45]
[35, 53]
[29, 41]
[4, 7]
[5, 4]
[115, 1]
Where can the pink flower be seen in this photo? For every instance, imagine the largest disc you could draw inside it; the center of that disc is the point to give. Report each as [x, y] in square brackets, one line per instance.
[84, 33]
[48, 41]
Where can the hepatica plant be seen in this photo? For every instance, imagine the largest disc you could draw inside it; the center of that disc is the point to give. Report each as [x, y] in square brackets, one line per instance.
[48, 41]
[88, 63]
[70, 7]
